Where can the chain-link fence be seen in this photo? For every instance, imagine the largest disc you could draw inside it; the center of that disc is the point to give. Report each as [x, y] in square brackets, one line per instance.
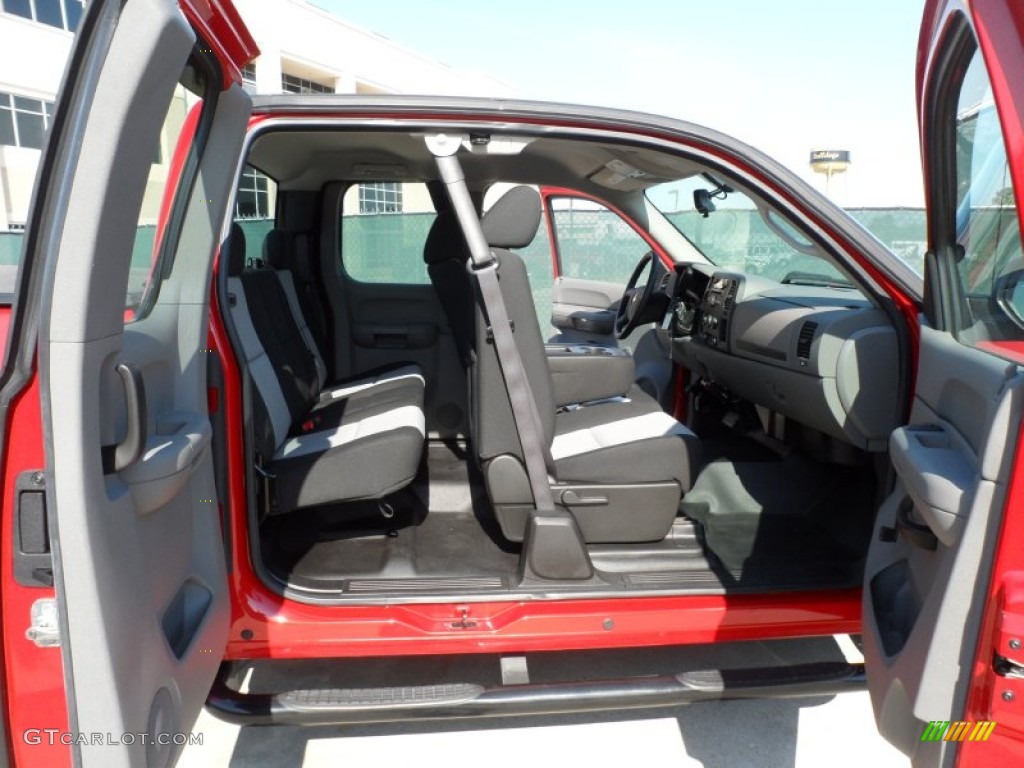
[596, 245]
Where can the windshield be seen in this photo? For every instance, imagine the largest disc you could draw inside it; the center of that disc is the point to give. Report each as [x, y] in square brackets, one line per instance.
[734, 234]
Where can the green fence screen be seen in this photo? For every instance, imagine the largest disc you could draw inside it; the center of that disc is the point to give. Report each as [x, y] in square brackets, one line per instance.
[388, 248]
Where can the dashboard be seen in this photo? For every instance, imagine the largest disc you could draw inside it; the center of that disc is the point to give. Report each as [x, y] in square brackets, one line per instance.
[822, 355]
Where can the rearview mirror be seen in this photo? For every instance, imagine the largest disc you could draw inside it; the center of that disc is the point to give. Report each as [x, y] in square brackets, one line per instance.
[702, 202]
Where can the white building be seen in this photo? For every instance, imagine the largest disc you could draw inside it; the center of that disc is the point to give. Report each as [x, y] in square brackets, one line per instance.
[303, 49]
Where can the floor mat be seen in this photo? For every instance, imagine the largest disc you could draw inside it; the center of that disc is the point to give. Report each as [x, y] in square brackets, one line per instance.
[443, 545]
[441, 526]
[783, 515]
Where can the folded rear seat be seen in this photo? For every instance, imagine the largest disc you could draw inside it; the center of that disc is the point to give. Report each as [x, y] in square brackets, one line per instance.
[360, 438]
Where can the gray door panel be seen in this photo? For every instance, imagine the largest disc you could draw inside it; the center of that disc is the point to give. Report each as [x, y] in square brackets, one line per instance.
[389, 324]
[381, 323]
[583, 311]
[139, 559]
[924, 591]
[579, 305]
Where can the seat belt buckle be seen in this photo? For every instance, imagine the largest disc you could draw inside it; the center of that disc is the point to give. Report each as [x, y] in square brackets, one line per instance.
[309, 425]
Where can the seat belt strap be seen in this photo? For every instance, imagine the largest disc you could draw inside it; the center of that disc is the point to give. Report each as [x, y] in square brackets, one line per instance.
[511, 363]
[484, 266]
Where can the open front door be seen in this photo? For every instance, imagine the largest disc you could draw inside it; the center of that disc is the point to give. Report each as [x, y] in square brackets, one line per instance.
[930, 573]
[128, 215]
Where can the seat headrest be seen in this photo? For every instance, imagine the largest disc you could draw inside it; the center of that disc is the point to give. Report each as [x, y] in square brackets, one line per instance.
[445, 241]
[512, 222]
[275, 249]
[236, 250]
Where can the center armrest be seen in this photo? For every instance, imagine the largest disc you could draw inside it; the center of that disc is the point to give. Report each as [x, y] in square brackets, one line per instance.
[585, 372]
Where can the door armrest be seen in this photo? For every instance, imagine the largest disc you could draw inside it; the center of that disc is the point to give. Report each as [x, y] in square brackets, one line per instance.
[937, 475]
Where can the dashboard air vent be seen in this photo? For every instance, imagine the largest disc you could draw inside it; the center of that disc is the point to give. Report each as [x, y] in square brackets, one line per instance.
[803, 344]
[730, 299]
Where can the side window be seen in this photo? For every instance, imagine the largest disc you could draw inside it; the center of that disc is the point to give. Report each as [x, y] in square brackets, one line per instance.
[171, 176]
[384, 226]
[255, 206]
[989, 266]
[593, 242]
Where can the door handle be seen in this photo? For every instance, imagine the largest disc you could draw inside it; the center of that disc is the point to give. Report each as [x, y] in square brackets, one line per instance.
[130, 449]
[408, 336]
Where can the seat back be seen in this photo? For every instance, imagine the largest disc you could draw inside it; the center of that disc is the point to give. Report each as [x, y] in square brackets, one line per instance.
[511, 223]
[283, 368]
[446, 254]
[280, 253]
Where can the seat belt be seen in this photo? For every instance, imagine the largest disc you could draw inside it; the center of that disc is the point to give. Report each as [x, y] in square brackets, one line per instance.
[483, 265]
[553, 547]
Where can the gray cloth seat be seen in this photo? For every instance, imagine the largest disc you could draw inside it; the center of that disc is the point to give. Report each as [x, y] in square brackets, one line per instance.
[360, 438]
[446, 253]
[627, 450]
[632, 441]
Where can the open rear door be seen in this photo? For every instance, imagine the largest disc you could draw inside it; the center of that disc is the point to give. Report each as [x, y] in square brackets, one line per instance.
[128, 215]
[930, 568]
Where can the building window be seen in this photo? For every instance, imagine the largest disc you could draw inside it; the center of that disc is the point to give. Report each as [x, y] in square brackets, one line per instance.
[249, 78]
[293, 84]
[380, 197]
[23, 121]
[253, 199]
[63, 14]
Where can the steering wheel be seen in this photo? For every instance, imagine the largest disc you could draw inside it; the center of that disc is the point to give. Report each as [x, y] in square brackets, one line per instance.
[633, 307]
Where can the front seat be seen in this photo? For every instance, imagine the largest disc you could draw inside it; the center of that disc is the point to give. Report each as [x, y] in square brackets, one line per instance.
[445, 253]
[620, 466]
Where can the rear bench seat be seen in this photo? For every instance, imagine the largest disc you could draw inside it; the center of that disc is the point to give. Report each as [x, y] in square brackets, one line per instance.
[359, 438]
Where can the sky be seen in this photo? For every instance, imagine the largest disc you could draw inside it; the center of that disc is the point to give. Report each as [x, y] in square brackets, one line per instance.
[786, 77]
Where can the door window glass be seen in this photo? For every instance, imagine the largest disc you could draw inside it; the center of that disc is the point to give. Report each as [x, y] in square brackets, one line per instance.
[988, 260]
[171, 175]
[594, 243]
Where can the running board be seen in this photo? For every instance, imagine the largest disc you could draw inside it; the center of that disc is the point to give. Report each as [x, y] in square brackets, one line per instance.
[344, 706]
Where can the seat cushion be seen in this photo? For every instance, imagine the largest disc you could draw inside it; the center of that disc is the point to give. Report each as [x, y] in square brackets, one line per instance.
[630, 441]
[366, 451]
[362, 401]
[403, 376]
[362, 440]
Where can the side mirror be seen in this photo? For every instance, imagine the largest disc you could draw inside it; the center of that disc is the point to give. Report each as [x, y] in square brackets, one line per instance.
[702, 202]
[1009, 294]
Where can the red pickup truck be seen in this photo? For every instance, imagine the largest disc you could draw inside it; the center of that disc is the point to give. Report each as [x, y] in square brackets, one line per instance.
[237, 451]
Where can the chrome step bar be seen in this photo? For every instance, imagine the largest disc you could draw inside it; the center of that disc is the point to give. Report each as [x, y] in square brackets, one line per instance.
[345, 706]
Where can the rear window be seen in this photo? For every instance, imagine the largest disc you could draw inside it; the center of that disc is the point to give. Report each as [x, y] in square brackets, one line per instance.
[384, 225]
